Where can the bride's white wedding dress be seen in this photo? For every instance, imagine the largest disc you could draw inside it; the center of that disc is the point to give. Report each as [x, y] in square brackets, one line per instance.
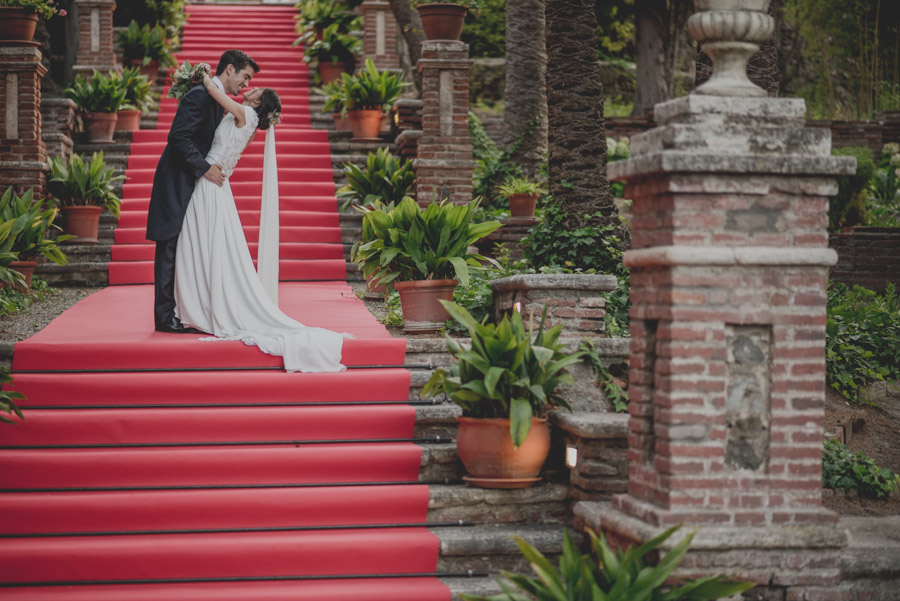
[217, 289]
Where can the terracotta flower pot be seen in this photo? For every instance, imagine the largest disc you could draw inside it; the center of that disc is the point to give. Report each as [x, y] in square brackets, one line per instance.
[522, 205]
[100, 126]
[26, 268]
[17, 24]
[151, 69]
[374, 292]
[486, 450]
[83, 222]
[128, 120]
[419, 303]
[340, 123]
[442, 21]
[329, 71]
[366, 124]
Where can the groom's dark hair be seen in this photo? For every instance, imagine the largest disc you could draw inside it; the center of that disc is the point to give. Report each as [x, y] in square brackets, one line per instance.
[238, 58]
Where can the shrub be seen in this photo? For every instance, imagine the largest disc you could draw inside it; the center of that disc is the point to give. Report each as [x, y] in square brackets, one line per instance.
[848, 208]
[863, 335]
[842, 468]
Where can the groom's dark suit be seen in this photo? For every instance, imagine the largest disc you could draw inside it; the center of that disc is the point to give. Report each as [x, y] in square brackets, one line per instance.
[182, 163]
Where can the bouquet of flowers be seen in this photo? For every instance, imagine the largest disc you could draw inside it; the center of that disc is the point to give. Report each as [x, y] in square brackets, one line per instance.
[186, 77]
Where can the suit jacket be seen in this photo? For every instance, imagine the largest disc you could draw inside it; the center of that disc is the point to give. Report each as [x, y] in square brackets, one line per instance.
[182, 163]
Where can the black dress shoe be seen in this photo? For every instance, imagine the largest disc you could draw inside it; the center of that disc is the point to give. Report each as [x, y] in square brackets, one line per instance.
[174, 326]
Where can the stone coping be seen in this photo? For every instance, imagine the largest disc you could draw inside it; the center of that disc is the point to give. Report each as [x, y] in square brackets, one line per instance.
[673, 161]
[600, 515]
[592, 424]
[701, 106]
[676, 255]
[49, 101]
[556, 281]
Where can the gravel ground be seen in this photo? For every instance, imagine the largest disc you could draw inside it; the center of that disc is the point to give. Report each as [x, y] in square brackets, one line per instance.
[35, 318]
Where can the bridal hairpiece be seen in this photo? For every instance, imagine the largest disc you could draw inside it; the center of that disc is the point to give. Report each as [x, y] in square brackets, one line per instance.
[275, 117]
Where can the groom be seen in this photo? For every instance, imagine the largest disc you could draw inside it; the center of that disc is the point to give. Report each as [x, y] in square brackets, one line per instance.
[182, 163]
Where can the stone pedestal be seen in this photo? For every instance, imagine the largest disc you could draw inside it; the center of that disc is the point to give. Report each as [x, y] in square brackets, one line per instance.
[95, 37]
[380, 34]
[729, 266]
[23, 160]
[444, 161]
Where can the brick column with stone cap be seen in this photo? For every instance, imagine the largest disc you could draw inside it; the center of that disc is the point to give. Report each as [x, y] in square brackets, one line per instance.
[380, 34]
[444, 161]
[95, 37]
[729, 267]
[23, 157]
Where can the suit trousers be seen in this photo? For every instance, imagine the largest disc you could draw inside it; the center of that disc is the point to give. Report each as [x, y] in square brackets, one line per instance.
[164, 281]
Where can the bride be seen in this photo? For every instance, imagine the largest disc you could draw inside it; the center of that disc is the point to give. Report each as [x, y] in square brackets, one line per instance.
[217, 290]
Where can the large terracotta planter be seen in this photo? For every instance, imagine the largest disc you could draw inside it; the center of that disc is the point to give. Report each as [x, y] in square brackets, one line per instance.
[522, 205]
[128, 120]
[341, 123]
[100, 126]
[422, 312]
[83, 222]
[329, 71]
[17, 24]
[486, 450]
[442, 21]
[26, 268]
[366, 124]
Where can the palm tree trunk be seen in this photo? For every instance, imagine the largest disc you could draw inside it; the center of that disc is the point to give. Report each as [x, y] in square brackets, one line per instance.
[525, 110]
[577, 133]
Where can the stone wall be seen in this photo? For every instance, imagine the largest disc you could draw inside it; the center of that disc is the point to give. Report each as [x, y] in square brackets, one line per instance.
[868, 256]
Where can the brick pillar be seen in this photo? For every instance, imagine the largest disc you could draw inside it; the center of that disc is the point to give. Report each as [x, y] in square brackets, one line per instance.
[380, 34]
[95, 37]
[729, 267]
[444, 162]
[23, 159]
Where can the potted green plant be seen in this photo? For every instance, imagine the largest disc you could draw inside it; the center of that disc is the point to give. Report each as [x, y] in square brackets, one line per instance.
[333, 54]
[99, 98]
[423, 254]
[504, 383]
[170, 15]
[146, 47]
[83, 189]
[138, 96]
[442, 20]
[366, 96]
[31, 222]
[522, 194]
[334, 103]
[18, 18]
[385, 178]
[317, 15]
[612, 575]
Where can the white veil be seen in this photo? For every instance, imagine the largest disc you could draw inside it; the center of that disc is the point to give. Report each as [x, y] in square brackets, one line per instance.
[267, 254]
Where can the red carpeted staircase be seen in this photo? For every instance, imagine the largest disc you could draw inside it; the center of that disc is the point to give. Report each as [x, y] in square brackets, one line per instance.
[155, 466]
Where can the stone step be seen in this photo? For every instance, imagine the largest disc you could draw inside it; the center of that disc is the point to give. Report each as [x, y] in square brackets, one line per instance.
[545, 503]
[490, 548]
[74, 274]
[471, 586]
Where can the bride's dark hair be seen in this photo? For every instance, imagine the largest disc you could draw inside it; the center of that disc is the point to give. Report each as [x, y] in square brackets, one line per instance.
[268, 102]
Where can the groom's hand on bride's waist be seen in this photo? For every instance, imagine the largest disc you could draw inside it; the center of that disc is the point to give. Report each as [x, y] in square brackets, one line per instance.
[215, 175]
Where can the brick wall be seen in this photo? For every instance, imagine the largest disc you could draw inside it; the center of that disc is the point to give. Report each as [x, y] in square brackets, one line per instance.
[22, 152]
[59, 117]
[868, 256]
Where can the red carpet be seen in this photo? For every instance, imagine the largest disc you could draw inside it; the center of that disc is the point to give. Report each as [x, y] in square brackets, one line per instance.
[156, 466]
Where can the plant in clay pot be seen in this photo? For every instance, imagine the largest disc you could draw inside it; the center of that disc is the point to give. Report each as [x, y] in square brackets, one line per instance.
[138, 96]
[170, 15]
[366, 96]
[522, 194]
[99, 99]
[504, 382]
[29, 222]
[18, 18]
[424, 254]
[83, 189]
[441, 19]
[333, 54]
[334, 103]
[385, 179]
[317, 15]
[146, 47]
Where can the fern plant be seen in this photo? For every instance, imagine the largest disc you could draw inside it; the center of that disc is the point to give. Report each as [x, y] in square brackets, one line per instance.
[385, 178]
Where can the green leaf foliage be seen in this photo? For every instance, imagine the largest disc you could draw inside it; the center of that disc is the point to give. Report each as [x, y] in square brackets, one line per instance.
[80, 183]
[863, 338]
[612, 384]
[370, 89]
[385, 179]
[334, 47]
[146, 44]
[8, 399]
[608, 575]
[103, 93]
[31, 221]
[849, 206]
[842, 468]
[404, 243]
[137, 89]
[509, 371]
[318, 15]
